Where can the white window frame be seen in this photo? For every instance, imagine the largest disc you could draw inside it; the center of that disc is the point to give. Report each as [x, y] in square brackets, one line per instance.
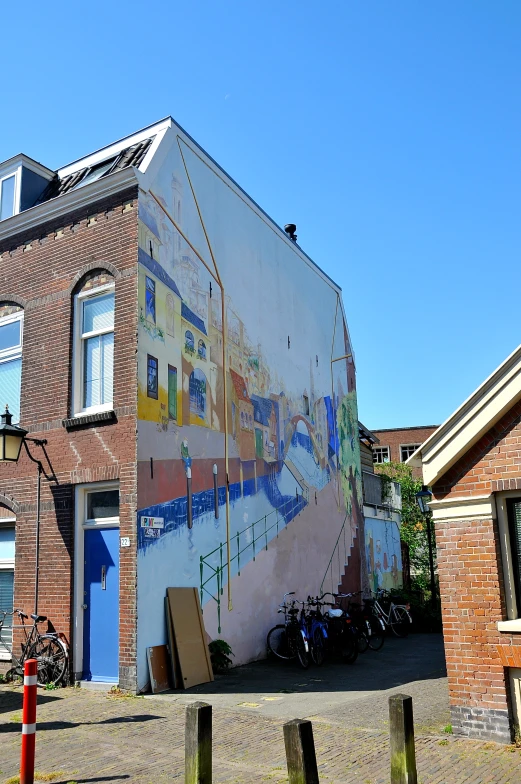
[17, 182]
[7, 565]
[407, 446]
[81, 524]
[379, 448]
[78, 355]
[14, 352]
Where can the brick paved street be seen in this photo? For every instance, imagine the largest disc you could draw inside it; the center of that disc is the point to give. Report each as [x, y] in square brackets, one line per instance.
[89, 736]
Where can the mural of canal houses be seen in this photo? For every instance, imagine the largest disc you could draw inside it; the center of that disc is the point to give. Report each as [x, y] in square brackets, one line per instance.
[246, 373]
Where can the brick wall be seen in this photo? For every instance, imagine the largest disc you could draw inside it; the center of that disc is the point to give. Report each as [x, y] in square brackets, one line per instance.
[472, 588]
[41, 270]
[394, 437]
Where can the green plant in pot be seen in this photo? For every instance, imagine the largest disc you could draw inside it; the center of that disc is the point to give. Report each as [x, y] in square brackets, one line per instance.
[220, 653]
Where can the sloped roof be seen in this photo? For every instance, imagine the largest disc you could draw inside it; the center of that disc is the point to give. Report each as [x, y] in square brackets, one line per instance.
[131, 156]
[156, 269]
[193, 318]
[240, 386]
[496, 395]
[262, 408]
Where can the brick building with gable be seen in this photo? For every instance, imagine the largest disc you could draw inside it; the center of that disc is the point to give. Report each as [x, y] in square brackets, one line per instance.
[473, 465]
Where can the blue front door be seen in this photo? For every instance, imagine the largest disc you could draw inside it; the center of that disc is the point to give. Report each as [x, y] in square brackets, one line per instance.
[101, 606]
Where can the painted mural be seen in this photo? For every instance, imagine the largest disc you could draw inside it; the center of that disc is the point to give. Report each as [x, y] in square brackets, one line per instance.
[383, 553]
[246, 406]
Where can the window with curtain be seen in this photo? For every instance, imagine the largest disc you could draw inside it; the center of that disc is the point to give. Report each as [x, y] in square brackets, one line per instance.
[11, 334]
[95, 351]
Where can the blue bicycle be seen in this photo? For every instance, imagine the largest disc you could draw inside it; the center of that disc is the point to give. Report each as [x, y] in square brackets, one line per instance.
[316, 631]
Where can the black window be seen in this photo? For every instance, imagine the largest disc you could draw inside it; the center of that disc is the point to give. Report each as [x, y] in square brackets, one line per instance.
[514, 526]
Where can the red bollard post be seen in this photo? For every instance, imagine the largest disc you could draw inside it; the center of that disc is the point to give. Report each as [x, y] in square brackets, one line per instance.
[29, 722]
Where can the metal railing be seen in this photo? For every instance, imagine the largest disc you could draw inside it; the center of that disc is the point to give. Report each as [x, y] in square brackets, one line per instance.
[253, 534]
[338, 560]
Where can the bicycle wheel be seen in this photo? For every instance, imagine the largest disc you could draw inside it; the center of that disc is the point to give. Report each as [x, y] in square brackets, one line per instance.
[52, 657]
[349, 646]
[400, 621]
[302, 653]
[277, 642]
[377, 635]
[363, 638]
[317, 647]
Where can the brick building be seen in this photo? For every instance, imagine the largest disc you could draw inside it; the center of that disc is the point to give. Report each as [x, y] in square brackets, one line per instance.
[473, 465]
[397, 444]
[137, 288]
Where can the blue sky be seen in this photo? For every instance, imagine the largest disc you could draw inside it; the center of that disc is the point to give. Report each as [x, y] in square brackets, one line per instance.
[387, 131]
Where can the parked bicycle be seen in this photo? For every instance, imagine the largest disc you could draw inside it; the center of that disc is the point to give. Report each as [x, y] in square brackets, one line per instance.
[342, 633]
[289, 640]
[316, 630]
[395, 616]
[371, 629]
[48, 649]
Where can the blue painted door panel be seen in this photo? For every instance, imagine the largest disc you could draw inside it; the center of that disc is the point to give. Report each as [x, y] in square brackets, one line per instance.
[101, 615]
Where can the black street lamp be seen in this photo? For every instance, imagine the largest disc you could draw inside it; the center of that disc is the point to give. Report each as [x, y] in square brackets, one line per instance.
[423, 498]
[11, 439]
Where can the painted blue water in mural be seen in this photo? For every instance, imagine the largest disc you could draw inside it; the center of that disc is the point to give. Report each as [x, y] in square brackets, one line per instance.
[174, 513]
[279, 488]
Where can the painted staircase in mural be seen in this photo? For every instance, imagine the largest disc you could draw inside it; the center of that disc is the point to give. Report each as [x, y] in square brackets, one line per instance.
[342, 574]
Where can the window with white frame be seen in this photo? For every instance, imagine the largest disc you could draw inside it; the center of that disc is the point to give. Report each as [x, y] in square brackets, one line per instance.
[7, 195]
[94, 350]
[381, 454]
[7, 547]
[11, 336]
[101, 504]
[406, 450]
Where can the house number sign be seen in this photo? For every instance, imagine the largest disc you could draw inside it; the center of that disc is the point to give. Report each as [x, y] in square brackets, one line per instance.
[125, 541]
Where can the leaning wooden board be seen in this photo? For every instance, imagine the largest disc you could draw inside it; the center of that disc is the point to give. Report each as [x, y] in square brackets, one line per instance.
[158, 666]
[190, 636]
[174, 659]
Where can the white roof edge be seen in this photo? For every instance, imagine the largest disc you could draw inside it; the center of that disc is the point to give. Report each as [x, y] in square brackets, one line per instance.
[477, 414]
[24, 160]
[156, 130]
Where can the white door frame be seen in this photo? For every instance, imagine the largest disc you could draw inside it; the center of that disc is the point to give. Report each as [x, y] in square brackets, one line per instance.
[81, 524]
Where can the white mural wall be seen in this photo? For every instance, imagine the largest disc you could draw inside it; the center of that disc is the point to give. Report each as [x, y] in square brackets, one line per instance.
[245, 373]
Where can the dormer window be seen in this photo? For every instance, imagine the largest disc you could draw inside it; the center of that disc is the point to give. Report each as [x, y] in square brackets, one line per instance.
[7, 193]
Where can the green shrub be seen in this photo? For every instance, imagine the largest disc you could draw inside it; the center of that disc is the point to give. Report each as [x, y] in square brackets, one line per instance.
[220, 653]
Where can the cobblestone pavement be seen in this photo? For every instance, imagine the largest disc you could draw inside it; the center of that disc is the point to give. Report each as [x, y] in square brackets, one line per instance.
[89, 736]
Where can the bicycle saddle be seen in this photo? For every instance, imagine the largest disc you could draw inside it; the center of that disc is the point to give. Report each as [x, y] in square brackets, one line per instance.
[38, 618]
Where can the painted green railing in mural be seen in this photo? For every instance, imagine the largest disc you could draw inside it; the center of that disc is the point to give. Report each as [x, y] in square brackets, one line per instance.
[258, 533]
[337, 563]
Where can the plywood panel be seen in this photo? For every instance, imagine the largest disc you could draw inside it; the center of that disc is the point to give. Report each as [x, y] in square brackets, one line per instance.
[190, 636]
[158, 666]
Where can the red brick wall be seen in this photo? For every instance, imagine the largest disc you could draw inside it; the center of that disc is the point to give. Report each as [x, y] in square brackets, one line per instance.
[41, 271]
[393, 438]
[471, 578]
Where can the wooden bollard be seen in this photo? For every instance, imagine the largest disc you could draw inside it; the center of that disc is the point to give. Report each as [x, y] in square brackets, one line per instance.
[401, 728]
[300, 752]
[198, 744]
